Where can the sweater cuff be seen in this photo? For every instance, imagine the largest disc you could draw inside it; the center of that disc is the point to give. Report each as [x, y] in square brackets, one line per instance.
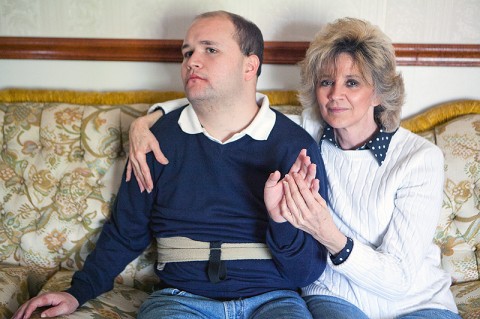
[80, 289]
[343, 254]
[282, 234]
[156, 107]
[79, 295]
[168, 106]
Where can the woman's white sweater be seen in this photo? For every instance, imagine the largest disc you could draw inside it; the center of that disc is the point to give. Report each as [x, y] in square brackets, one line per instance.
[391, 212]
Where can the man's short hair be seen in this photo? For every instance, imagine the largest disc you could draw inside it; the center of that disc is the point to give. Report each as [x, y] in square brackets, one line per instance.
[247, 34]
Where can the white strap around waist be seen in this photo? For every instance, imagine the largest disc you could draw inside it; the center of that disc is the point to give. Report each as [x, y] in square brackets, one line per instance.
[181, 249]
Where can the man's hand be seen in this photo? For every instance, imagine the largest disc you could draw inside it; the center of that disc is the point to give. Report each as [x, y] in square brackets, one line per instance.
[274, 195]
[143, 141]
[61, 303]
[304, 167]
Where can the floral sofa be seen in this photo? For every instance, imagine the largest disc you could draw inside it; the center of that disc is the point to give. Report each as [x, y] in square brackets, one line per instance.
[61, 162]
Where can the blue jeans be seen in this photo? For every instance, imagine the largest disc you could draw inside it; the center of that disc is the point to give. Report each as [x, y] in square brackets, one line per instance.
[175, 304]
[326, 307]
[431, 313]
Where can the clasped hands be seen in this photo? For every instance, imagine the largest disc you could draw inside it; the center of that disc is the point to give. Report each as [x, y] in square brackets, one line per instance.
[296, 199]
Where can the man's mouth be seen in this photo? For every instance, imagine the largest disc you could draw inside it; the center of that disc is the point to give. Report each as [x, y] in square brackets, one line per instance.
[194, 77]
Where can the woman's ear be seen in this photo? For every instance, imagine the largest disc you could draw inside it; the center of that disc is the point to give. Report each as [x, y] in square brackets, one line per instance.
[375, 100]
[252, 63]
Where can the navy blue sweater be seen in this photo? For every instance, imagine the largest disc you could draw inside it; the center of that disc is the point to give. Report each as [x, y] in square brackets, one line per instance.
[210, 192]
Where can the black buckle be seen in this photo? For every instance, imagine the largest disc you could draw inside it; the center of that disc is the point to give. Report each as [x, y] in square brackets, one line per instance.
[217, 271]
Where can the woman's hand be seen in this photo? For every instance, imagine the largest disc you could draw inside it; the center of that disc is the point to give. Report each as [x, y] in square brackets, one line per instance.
[305, 209]
[143, 141]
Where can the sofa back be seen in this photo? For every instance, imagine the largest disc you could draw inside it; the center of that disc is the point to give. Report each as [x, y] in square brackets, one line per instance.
[60, 169]
[455, 128]
[458, 229]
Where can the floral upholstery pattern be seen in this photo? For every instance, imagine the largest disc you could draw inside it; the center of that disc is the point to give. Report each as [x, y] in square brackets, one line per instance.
[467, 296]
[13, 289]
[458, 233]
[60, 168]
[61, 165]
[459, 227]
[121, 302]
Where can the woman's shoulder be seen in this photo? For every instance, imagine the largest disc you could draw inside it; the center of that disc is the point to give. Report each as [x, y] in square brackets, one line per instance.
[412, 145]
[414, 139]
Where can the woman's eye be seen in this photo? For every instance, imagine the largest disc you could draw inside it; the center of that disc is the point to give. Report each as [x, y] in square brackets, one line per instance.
[352, 83]
[326, 83]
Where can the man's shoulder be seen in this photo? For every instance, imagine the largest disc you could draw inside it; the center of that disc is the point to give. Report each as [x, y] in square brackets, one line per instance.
[167, 120]
[285, 126]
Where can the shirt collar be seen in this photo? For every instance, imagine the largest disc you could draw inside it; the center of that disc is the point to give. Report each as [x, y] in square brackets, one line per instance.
[378, 144]
[259, 129]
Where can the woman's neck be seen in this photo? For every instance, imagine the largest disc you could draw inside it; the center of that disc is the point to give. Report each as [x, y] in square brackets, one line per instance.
[350, 139]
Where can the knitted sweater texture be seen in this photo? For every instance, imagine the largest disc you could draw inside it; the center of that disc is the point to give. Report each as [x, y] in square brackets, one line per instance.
[391, 212]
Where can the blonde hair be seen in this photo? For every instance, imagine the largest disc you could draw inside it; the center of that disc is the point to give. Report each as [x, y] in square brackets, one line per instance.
[373, 54]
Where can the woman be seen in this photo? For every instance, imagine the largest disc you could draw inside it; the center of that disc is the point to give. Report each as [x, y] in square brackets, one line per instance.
[385, 184]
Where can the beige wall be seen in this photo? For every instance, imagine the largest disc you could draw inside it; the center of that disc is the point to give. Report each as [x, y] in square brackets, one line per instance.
[405, 21]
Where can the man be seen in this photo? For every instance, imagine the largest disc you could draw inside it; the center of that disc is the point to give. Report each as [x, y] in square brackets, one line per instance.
[220, 254]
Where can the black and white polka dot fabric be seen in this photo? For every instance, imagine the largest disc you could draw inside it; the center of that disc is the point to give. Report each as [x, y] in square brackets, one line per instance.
[378, 145]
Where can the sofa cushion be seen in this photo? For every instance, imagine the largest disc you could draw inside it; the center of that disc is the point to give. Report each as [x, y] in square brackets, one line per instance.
[467, 297]
[121, 302]
[457, 232]
[13, 289]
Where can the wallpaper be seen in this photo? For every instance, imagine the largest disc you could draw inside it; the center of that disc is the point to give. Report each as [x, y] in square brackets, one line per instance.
[407, 21]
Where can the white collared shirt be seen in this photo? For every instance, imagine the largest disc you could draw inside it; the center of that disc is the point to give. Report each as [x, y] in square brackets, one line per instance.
[259, 129]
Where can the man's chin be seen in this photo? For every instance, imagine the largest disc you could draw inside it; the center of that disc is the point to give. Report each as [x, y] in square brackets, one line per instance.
[193, 96]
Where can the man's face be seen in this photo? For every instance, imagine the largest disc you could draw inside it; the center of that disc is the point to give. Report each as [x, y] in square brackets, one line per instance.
[213, 65]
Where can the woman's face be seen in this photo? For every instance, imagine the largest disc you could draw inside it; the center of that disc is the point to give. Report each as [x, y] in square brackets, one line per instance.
[346, 99]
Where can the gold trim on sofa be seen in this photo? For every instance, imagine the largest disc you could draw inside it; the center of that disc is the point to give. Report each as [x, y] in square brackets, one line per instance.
[277, 97]
[422, 122]
[439, 114]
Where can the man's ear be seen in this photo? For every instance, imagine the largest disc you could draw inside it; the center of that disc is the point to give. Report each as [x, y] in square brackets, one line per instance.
[252, 63]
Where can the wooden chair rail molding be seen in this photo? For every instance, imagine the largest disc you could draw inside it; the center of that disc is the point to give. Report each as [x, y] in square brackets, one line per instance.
[276, 52]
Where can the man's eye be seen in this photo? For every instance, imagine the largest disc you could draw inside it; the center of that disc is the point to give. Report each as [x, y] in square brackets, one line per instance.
[211, 50]
[187, 54]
